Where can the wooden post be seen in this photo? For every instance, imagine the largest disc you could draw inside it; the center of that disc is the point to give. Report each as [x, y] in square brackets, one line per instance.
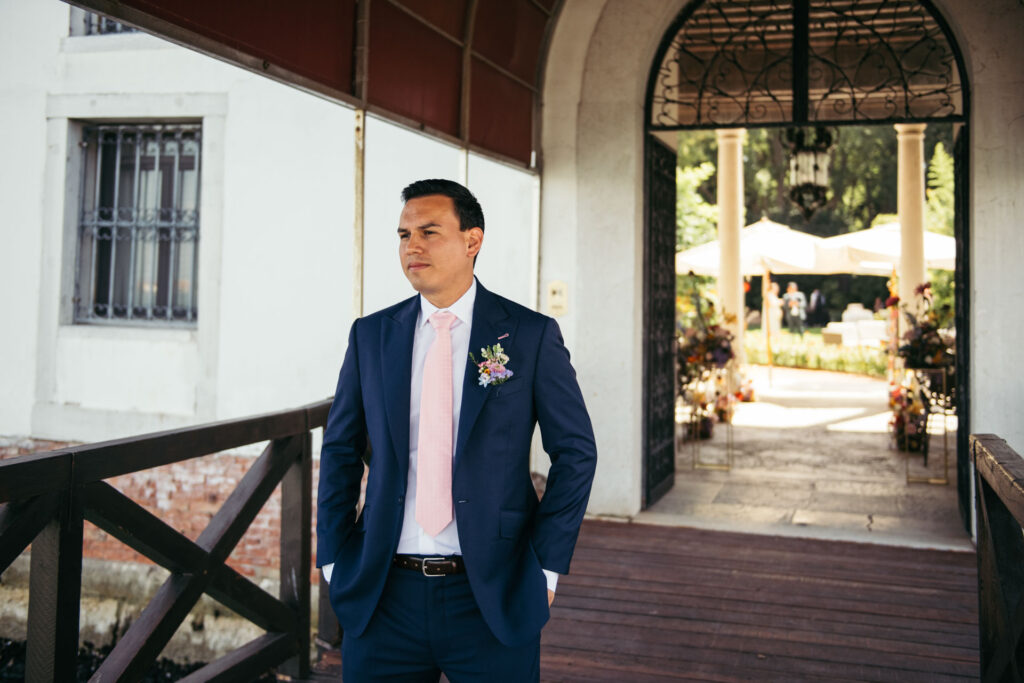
[296, 546]
[55, 588]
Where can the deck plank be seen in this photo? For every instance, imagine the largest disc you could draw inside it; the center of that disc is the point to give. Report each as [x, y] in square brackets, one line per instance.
[651, 603]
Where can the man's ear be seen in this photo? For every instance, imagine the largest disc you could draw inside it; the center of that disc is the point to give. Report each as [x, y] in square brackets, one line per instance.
[474, 240]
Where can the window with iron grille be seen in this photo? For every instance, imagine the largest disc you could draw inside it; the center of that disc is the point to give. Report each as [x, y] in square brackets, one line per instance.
[139, 224]
[97, 24]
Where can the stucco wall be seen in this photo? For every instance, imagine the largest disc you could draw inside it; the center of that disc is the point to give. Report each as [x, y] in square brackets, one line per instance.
[592, 202]
[989, 34]
[24, 63]
[592, 218]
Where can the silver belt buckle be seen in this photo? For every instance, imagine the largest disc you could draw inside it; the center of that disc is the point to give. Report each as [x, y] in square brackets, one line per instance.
[433, 561]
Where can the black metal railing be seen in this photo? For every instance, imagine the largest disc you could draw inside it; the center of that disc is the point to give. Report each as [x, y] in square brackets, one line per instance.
[47, 497]
[1000, 517]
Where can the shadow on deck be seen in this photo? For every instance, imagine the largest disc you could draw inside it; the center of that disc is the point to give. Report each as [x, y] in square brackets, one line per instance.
[650, 603]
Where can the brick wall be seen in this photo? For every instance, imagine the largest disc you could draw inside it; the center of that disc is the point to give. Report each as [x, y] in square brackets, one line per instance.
[186, 496]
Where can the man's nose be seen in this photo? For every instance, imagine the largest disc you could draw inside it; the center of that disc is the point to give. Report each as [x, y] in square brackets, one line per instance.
[413, 244]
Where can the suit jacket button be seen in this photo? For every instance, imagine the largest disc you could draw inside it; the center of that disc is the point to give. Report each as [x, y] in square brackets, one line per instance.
[401, 499]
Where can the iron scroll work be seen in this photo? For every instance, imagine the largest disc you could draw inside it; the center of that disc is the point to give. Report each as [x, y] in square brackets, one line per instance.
[783, 62]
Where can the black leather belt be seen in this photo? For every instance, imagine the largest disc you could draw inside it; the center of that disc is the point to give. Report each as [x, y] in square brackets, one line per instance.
[431, 566]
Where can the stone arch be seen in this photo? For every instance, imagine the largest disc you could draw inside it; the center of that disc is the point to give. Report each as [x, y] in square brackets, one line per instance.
[763, 63]
[592, 205]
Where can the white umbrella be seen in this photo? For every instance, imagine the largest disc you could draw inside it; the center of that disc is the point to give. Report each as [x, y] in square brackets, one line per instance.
[876, 250]
[764, 245]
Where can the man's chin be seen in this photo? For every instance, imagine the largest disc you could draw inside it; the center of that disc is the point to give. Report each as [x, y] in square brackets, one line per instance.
[418, 282]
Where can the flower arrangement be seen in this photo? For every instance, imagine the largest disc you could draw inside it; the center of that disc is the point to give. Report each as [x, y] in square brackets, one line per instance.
[926, 343]
[704, 345]
[492, 369]
[908, 422]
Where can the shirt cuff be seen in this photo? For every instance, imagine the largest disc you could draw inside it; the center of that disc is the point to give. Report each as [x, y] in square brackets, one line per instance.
[327, 569]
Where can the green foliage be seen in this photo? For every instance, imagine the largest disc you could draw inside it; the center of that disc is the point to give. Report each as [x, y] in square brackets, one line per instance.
[941, 208]
[696, 219]
[883, 218]
[940, 192]
[696, 212]
[791, 351]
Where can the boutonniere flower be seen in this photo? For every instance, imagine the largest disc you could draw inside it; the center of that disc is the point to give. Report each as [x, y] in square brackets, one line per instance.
[493, 368]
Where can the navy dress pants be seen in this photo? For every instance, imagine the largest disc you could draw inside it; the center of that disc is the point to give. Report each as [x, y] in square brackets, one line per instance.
[426, 625]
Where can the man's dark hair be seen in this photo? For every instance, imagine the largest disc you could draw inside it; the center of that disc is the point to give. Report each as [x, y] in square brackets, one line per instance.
[467, 208]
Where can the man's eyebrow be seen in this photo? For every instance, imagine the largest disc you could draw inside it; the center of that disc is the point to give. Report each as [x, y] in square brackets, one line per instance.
[420, 227]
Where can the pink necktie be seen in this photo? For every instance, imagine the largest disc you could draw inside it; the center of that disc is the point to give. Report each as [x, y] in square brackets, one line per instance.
[434, 468]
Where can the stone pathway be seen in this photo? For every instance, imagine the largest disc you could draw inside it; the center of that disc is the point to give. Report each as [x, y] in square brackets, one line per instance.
[812, 458]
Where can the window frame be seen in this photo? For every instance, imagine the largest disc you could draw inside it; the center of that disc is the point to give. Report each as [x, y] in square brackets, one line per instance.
[83, 308]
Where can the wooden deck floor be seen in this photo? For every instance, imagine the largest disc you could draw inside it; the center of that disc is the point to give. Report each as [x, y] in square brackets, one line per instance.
[649, 603]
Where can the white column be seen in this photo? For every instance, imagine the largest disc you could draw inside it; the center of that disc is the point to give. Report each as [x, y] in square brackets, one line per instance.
[730, 223]
[911, 208]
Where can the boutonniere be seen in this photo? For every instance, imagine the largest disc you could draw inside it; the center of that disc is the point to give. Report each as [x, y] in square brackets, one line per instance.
[493, 368]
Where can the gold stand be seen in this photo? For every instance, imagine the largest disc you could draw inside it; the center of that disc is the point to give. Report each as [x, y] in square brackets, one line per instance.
[925, 378]
[698, 412]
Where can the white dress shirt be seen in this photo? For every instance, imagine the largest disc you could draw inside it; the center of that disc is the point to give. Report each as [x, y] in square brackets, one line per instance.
[414, 540]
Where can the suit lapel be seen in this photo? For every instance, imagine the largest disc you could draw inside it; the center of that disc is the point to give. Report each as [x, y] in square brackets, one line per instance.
[490, 321]
[396, 369]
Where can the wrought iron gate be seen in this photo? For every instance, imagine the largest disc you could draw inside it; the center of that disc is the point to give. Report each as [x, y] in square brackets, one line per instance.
[659, 320]
[962, 278]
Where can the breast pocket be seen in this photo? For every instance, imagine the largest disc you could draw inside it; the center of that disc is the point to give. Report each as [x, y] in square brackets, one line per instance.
[508, 388]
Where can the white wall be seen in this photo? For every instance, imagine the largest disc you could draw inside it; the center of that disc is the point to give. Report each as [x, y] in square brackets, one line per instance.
[506, 263]
[276, 234]
[395, 157]
[286, 285]
[592, 220]
[28, 57]
[275, 237]
[989, 34]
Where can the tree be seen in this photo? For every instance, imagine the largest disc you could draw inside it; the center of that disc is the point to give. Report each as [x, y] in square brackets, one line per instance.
[696, 219]
[941, 191]
[862, 187]
[941, 207]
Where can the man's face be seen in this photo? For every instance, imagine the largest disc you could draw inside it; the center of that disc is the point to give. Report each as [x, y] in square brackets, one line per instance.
[436, 255]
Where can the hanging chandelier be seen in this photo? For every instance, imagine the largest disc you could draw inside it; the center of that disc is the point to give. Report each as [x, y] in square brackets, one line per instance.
[808, 167]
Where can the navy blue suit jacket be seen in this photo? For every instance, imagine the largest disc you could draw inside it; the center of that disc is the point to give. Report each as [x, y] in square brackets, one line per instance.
[506, 536]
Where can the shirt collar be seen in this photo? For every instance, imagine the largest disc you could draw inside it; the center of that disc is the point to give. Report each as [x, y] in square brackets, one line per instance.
[463, 308]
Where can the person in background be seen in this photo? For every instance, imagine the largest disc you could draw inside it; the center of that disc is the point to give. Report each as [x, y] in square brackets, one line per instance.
[817, 314]
[794, 303]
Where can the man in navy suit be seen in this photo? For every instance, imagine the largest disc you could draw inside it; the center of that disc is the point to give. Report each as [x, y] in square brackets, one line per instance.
[450, 567]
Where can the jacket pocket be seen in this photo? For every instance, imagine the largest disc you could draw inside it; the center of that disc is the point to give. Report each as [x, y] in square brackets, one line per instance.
[508, 388]
[510, 523]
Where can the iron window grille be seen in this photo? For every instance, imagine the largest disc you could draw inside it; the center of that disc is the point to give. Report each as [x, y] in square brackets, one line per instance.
[97, 24]
[139, 225]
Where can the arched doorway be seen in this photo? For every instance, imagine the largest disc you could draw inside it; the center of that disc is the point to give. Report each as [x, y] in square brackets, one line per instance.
[774, 63]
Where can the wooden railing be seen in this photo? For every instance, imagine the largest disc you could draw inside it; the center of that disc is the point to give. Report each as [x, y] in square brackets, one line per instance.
[1000, 517]
[46, 497]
